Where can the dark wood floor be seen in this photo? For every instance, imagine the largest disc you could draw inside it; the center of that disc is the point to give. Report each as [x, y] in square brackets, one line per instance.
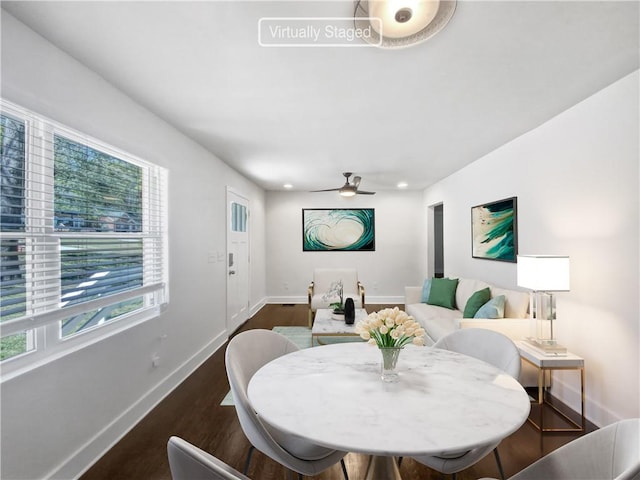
[193, 412]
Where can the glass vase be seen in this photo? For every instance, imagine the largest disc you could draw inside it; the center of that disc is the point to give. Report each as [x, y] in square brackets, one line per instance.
[389, 364]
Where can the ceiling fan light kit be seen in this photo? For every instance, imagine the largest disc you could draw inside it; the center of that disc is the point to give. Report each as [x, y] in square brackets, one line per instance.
[349, 189]
[402, 23]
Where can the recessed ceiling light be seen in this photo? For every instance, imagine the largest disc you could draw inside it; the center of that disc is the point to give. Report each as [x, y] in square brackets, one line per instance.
[288, 186]
[403, 184]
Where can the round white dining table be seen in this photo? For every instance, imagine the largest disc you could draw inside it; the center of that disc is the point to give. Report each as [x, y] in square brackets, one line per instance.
[443, 403]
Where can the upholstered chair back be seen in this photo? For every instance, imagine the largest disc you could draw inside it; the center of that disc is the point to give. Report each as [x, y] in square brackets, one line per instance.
[246, 353]
[324, 277]
[491, 347]
[188, 462]
[610, 453]
[487, 345]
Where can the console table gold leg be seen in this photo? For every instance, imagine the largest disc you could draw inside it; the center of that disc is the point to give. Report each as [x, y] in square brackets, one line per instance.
[541, 378]
[582, 398]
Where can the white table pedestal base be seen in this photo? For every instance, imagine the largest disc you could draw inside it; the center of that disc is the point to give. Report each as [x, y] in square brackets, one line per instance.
[382, 467]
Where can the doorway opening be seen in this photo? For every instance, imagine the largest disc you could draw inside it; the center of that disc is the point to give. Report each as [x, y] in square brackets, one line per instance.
[436, 240]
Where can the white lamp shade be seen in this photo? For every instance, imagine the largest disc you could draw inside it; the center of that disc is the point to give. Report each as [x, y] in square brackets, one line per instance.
[544, 273]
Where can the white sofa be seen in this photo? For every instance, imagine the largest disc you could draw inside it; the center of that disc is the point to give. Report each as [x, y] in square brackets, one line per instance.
[439, 321]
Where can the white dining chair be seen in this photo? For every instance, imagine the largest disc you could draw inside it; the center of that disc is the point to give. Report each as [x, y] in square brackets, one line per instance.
[491, 347]
[246, 353]
[610, 453]
[188, 462]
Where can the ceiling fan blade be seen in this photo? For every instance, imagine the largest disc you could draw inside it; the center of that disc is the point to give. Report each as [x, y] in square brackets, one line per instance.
[348, 187]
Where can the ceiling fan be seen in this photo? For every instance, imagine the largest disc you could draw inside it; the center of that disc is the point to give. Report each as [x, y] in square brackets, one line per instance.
[349, 189]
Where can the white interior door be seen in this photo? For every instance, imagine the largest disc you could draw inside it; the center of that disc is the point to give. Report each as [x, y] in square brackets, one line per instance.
[237, 260]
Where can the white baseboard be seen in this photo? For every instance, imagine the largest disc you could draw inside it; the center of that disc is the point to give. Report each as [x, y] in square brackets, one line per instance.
[292, 299]
[569, 394]
[258, 305]
[81, 460]
[373, 300]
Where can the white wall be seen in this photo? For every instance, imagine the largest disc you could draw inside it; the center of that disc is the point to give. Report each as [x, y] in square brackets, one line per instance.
[59, 418]
[396, 262]
[576, 179]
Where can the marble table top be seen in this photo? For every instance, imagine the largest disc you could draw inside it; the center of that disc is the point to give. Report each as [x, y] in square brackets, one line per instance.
[324, 324]
[444, 402]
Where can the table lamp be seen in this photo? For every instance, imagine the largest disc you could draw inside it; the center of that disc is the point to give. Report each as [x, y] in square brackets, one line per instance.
[544, 274]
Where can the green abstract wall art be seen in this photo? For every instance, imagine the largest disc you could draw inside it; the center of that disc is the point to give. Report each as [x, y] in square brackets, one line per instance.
[338, 229]
[494, 232]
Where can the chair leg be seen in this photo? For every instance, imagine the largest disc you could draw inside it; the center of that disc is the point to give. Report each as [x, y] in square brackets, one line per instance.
[497, 455]
[248, 461]
[344, 469]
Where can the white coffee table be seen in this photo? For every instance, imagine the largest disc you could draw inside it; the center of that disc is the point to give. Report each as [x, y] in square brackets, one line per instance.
[328, 330]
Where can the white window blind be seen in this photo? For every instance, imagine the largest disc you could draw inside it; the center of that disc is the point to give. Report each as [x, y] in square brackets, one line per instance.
[83, 232]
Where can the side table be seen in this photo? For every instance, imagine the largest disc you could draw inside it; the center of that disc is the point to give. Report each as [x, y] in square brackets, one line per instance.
[547, 363]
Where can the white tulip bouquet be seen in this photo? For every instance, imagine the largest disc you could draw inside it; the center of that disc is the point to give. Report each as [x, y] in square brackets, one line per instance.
[390, 327]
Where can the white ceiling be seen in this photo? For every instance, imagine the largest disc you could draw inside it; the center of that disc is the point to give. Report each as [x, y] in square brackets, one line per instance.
[305, 115]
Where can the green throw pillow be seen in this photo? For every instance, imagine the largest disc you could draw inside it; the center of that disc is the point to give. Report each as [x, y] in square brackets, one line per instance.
[494, 308]
[426, 289]
[475, 301]
[443, 292]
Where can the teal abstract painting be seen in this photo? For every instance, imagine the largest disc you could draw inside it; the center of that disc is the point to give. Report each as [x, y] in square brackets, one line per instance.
[338, 229]
[494, 230]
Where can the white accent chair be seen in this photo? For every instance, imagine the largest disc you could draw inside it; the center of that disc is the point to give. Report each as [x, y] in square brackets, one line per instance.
[246, 353]
[188, 462]
[491, 347]
[322, 280]
[610, 453]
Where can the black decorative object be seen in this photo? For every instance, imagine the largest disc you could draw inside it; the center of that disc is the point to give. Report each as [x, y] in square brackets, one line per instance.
[349, 311]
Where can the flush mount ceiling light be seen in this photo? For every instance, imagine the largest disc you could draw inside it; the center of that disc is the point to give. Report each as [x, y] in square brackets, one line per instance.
[401, 23]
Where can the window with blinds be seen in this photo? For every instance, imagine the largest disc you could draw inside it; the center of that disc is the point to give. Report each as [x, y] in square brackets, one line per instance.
[82, 235]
